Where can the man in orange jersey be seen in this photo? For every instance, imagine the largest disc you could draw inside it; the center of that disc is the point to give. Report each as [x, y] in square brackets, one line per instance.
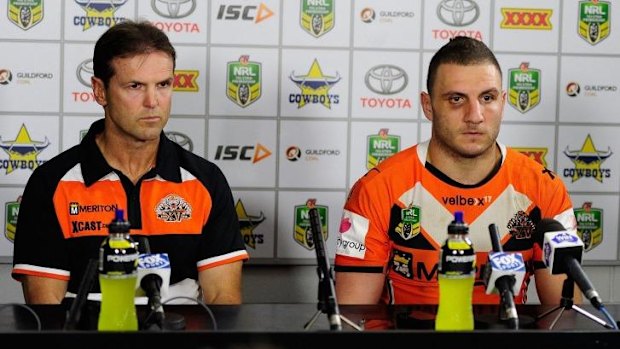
[396, 216]
[180, 201]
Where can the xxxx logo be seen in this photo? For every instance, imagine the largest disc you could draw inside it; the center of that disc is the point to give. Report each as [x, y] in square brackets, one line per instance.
[525, 18]
[185, 81]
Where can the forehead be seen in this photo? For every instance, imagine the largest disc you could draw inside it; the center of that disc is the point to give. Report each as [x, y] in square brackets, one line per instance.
[452, 76]
[154, 63]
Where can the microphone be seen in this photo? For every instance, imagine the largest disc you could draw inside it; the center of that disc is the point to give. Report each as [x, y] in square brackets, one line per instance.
[153, 281]
[562, 253]
[504, 275]
[327, 291]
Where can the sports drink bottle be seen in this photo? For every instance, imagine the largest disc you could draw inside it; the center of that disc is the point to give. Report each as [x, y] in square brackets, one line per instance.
[457, 263]
[118, 262]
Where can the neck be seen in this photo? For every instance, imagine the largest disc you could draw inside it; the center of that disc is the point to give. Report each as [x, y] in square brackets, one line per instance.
[133, 159]
[467, 171]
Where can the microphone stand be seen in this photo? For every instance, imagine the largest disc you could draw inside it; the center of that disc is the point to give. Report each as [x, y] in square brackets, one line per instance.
[566, 303]
[327, 303]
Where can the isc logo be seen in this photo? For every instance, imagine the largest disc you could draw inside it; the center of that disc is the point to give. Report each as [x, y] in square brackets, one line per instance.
[247, 12]
[242, 152]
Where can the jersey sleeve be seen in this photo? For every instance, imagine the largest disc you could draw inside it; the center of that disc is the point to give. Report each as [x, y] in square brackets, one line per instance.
[363, 243]
[39, 247]
[221, 240]
[555, 203]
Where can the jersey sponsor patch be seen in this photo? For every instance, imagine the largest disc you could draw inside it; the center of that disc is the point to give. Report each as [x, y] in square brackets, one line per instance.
[352, 235]
[402, 263]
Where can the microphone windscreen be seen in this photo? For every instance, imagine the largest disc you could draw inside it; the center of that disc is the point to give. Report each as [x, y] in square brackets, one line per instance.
[546, 225]
[154, 263]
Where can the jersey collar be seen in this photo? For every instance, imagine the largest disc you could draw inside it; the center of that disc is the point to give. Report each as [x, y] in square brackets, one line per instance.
[95, 167]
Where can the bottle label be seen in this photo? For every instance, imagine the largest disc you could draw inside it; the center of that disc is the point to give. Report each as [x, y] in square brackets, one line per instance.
[457, 262]
[115, 261]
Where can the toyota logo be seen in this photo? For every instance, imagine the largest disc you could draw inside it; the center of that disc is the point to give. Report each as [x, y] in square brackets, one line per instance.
[458, 13]
[84, 72]
[386, 79]
[172, 8]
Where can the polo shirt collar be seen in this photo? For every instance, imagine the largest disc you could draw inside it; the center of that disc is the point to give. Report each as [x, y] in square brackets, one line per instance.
[94, 166]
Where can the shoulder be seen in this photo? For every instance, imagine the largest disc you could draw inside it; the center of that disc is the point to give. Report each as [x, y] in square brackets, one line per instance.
[203, 169]
[406, 158]
[525, 167]
[395, 171]
[57, 166]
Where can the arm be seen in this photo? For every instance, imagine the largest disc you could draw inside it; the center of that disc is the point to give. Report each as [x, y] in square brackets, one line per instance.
[222, 284]
[359, 288]
[42, 290]
[549, 288]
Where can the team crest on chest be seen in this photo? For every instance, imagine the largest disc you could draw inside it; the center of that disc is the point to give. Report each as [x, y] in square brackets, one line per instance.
[521, 226]
[409, 225]
[173, 208]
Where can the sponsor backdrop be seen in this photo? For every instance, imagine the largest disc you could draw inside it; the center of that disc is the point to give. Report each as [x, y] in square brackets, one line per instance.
[296, 99]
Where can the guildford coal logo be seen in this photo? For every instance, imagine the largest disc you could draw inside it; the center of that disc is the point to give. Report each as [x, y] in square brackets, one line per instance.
[594, 23]
[22, 151]
[317, 17]
[243, 81]
[314, 87]
[588, 161]
[25, 13]
[524, 87]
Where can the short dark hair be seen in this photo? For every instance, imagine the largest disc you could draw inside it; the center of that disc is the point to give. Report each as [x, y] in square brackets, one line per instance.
[128, 39]
[461, 50]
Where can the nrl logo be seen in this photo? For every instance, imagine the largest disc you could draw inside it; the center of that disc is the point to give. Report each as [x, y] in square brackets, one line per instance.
[25, 13]
[524, 87]
[593, 21]
[380, 147]
[589, 225]
[409, 226]
[302, 231]
[11, 211]
[317, 16]
[243, 81]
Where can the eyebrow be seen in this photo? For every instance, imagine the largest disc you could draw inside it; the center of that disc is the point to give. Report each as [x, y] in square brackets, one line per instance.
[492, 90]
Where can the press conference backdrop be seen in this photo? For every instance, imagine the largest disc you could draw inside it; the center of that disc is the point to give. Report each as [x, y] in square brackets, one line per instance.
[241, 102]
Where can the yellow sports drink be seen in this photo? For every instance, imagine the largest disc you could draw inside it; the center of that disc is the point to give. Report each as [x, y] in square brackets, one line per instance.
[118, 310]
[457, 263]
[118, 262]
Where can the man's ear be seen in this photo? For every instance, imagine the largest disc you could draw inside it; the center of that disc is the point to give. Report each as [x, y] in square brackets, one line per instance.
[427, 108]
[99, 91]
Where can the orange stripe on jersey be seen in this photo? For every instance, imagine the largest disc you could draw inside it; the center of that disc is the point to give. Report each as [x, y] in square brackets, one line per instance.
[17, 272]
[221, 260]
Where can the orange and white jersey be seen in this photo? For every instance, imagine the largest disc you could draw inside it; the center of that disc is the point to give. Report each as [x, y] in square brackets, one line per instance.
[396, 217]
